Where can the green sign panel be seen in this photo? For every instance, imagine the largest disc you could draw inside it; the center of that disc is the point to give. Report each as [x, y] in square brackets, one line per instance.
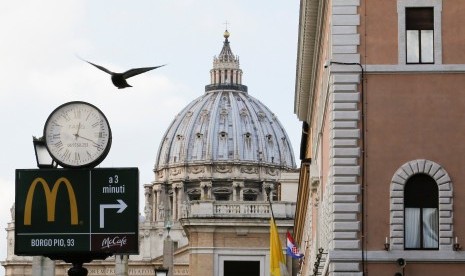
[77, 211]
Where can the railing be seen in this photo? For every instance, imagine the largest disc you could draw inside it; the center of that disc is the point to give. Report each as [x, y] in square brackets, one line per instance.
[224, 86]
[241, 209]
[235, 209]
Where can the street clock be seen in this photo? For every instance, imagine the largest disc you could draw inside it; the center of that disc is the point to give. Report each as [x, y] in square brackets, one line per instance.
[77, 135]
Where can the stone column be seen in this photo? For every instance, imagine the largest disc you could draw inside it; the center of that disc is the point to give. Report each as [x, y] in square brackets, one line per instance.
[159, 203]
[235, 186]
[154, 203]
[241, 191]
[206, 185]
[168, 256]
[238, 185]
[179, 198]
[164, 207]
[202, 191]
[42, 266]
[121, 265]
[268, 188]
[148, 204]
[174, 208]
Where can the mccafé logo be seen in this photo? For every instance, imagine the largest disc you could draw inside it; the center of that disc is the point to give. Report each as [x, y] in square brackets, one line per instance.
[50, 199]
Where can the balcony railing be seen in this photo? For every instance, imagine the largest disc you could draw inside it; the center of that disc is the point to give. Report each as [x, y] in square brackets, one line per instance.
[236, 209]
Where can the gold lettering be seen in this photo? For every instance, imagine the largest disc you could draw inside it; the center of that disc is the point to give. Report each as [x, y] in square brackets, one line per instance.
[50, 198]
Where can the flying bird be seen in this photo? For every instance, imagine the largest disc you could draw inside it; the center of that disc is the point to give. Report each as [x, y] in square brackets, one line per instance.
[119, 79]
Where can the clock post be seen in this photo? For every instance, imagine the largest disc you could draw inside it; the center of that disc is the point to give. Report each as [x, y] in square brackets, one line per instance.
[71, 213]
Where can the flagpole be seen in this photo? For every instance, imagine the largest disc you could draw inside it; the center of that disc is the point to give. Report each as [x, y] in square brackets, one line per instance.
[268, 190]
[277, 259]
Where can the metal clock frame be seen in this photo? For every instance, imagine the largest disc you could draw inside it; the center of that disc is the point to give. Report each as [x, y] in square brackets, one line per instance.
[102, 156]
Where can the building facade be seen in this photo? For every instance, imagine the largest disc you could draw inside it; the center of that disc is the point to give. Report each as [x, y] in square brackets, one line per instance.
[378, 90]
[220, 162]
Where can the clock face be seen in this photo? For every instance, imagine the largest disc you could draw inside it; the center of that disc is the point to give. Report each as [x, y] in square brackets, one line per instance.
[77, 134]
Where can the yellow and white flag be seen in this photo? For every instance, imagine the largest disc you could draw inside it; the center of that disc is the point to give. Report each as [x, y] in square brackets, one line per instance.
[277, 260]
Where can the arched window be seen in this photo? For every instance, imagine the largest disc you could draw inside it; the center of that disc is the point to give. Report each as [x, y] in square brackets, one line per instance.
[421, 176]
[421, 202]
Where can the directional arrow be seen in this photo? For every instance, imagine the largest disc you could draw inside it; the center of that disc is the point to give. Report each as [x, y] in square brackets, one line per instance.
[121, 206]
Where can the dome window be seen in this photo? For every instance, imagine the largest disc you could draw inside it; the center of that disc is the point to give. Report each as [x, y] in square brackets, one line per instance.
[223, 134]
[250, 195]
[269, 137]
[199, 135]
[244, 112]
[247, 135]
[194, 197]
[194, 194]
[179, 137]
[222, 197]
[222, 193]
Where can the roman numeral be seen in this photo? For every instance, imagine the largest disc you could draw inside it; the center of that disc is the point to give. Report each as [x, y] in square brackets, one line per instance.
[57, 124]
[66, 116]
[99, 147]
[77, 114]
[67, 154]
[88, 115]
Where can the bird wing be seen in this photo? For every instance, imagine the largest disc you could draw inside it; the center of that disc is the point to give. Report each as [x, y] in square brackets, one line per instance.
[137, 71]
[100, 67]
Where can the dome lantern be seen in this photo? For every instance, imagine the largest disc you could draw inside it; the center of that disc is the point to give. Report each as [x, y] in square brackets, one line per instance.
[226, 69]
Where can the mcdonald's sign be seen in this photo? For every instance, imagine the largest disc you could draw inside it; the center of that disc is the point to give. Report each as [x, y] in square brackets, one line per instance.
[50, 199]
[76, 211]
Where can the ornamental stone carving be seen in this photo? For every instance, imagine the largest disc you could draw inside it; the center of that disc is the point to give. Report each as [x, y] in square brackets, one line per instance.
[249, 170]
[223, 169]
[176, 171]
[197, 170]
[261, 116]
[224, 112]
[244, 112]
[272, 171]
[204, 113]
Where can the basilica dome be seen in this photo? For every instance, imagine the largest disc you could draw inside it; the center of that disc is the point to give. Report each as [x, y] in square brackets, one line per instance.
[225, 133]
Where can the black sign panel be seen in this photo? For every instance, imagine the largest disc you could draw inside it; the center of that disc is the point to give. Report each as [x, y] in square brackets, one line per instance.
[76, 211]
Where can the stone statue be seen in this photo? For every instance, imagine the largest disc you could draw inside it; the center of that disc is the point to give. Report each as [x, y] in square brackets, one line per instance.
[148, 213]
[184, 209]
[12, 210]
[161, 212]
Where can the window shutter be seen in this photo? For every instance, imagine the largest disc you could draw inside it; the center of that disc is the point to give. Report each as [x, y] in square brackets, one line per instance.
[419, 18]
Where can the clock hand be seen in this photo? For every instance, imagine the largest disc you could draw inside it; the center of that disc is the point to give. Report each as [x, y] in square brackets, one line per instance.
[90, 140]
[77, 133]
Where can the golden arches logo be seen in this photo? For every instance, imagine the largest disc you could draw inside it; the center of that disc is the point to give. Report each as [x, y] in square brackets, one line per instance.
[50, 198]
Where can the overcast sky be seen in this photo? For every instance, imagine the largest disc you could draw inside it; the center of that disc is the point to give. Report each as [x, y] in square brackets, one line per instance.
[39, 69]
